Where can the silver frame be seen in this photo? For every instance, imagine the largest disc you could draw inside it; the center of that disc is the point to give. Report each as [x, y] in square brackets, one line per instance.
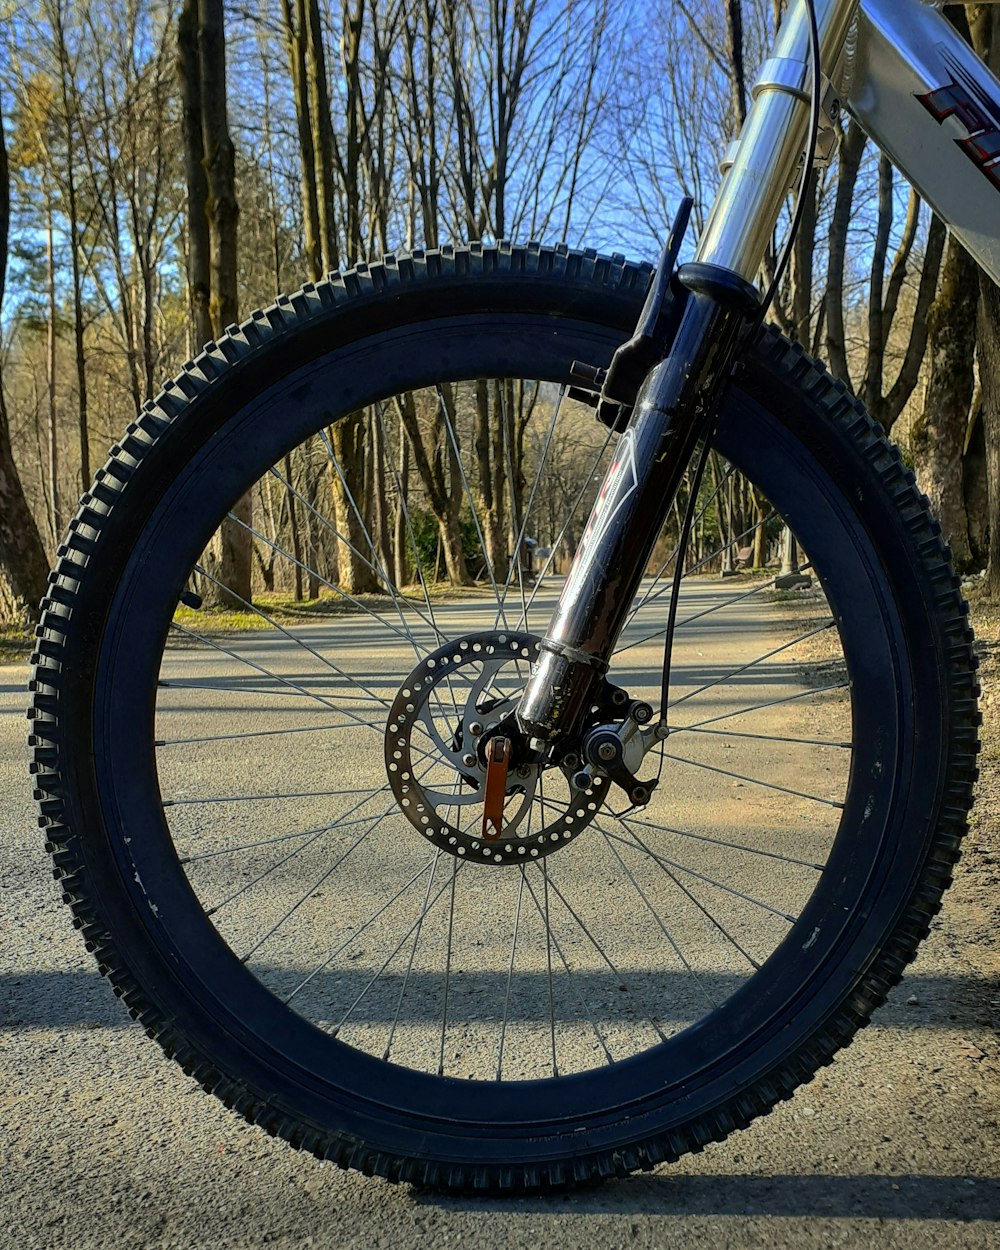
[905, 49]
[878, 58]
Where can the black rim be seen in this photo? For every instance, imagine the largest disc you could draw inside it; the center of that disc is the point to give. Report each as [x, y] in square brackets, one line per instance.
[253, 1017]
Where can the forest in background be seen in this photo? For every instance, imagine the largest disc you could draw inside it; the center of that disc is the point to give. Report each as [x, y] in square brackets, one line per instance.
[169, 167]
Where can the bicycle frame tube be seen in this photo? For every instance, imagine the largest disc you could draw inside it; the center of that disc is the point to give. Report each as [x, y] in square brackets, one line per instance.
[917, 88]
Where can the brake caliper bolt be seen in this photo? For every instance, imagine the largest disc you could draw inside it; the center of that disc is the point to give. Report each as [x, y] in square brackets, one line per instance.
[642, 713]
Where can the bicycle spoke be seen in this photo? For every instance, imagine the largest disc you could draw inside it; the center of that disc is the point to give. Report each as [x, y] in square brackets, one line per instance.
[571, 980]
[254, 733]
[418, 927]
[453, 439]
[574, 508]
[548, 964]
[407, 637]
[324, 660]
[399, 945]
[324, 878]
[649, 595]
[211, 911]
[659, 923]
[214, 687]
[401, 494]
[358, 932]
[264, 798]
[760, 707]
[557, 408]
[719, 885]
[377, 568]
[510, 974]
[280, 837]
[755, 781]
[732, 846]
[285, 681]
[601, 952]
[447, 966]
[743, 668]
[734, 733]
[724, 603]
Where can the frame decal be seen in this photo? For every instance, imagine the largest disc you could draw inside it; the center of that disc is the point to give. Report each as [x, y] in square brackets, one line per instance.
[963, 98]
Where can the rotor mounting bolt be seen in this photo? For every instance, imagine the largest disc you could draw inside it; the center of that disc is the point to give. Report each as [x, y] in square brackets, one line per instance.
[475, 729]
[524, 770]
[606, 752]
[468, 759]
[570, 760]
[582, 780]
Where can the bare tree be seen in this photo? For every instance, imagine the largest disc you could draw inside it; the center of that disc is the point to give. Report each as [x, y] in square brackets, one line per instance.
[938, 433]
[198, 264]
[23, 566]
[984, 22]
[203, 78]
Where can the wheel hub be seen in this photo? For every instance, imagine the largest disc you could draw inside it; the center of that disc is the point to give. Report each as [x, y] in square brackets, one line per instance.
[441, 722]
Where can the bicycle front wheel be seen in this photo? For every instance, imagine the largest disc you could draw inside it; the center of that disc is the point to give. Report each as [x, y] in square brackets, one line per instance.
[268, 817]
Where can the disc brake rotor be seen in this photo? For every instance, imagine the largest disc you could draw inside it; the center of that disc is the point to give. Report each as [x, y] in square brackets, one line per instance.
[440, 724]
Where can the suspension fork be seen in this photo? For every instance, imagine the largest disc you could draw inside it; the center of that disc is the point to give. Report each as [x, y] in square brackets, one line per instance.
[676, 402]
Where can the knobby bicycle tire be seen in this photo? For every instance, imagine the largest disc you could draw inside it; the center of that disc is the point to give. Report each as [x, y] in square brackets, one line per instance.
[122, 878]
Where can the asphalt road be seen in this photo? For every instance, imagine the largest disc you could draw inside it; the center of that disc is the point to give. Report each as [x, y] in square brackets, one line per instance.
[105, 1143]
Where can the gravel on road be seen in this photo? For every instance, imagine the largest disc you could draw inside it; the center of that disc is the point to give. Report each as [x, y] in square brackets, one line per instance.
[106, 1143]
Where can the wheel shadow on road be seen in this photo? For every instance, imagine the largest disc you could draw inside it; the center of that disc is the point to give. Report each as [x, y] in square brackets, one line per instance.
[822, 1195]
[80, 999]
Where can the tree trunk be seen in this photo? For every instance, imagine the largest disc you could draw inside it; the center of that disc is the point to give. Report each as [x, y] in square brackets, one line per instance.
[322, 137]
[55, 494]
[399, 535]
[23, 566]
[491, 453]
[189, 72]
[852, 147]
[444, 489]
[297, 43]
[69, 108]
[379, 495]
[348, 439]
[734, 58]
[937, 438]
[985, 28]
[989, 365]
[761, 510]
[975, 487]
[219, 162]
[293, 520]
[232, 551]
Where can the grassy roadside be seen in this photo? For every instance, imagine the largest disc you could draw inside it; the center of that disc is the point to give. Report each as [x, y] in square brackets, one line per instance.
[16, 642]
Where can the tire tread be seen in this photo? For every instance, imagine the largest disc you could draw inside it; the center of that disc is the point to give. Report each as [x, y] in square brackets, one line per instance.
[395, 274]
